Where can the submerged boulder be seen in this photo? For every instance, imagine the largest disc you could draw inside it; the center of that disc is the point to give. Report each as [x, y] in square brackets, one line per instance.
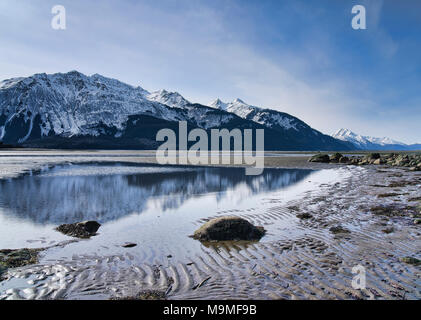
[85, 229]
[228, 228]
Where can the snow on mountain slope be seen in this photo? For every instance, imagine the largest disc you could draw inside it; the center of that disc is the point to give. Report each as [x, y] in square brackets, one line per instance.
[364, 142]
[74, 110]
[70, 104]
[172, 99]
[74, 104]
[267, 117]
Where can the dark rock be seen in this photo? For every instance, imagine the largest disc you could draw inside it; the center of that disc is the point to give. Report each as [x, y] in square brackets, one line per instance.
[388, 230]
[374, 156]
[304, 215]
[17, 258]
[378, 161]
[85, 229]
[129, 245]
[146, 295]
[383, 211]
[324, 158]
[355, 161]
[388, 195]
[338, 229]
[336, 157]
[228, 228]
[344, 160]
[411, 260]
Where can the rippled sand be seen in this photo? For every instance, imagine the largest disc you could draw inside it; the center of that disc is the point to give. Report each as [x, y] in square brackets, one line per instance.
[309, 263]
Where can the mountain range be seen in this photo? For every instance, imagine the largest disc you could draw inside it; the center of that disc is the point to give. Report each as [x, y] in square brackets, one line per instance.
[372, 143]
[72, 110]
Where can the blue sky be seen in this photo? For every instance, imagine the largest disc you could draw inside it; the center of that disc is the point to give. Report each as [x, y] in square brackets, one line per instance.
[300, 57]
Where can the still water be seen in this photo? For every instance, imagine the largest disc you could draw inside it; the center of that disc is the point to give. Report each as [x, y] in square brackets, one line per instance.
[33, 204]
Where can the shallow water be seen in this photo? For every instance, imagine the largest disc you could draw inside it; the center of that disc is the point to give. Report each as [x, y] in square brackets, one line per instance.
[155, 207]
[153, 201]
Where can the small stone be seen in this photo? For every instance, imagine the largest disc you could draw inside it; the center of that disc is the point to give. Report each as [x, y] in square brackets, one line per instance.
[338, 229]
[145, 295]
[411, 260]
[304, 215]
[388, 230]
[129, 245]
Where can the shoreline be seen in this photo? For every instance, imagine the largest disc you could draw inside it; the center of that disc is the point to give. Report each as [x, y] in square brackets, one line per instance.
[316, 264]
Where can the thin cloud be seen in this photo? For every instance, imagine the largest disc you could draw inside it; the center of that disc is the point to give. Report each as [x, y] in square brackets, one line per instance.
[296, 57]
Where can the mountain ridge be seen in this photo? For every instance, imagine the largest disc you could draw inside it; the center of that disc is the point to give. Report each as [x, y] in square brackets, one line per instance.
[73, 110]
[373, 143]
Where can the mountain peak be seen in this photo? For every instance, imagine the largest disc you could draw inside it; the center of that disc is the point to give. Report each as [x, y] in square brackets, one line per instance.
[343, 133]
[218, 104]
[238, 100]
[75, 72]
[82, 108]
[172, 99]
[366, 142]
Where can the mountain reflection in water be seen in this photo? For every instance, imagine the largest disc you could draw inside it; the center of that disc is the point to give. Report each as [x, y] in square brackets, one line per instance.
[72, 193]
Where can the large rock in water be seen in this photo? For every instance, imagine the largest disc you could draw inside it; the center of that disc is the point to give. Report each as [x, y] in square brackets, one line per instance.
[85, 229]
[228, 228]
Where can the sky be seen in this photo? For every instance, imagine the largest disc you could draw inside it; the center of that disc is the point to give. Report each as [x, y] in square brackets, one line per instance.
[297, 56]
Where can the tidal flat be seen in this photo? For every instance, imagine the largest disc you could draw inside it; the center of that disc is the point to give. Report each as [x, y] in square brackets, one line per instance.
[321, 221]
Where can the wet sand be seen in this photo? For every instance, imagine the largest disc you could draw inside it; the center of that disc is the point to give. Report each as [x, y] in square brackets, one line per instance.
[311, 263]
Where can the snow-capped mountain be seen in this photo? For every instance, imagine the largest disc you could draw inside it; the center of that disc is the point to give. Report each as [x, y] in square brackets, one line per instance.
[172, 99]
[73, 104]
[72, 110]
[289, 126]
[372, 143]
[267, 117]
